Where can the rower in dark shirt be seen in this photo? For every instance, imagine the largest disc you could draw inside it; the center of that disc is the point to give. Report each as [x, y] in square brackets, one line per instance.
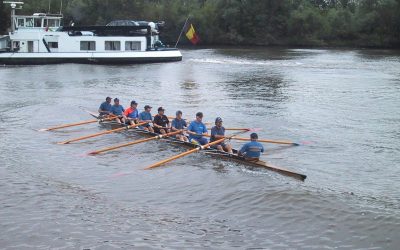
[179, 124]
[218, 132]
[161, 122]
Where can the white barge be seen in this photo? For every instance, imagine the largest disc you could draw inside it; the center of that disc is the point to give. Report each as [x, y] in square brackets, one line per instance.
[40, 39]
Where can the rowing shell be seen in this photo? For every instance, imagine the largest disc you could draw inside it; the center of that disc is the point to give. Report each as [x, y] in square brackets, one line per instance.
[211, 151]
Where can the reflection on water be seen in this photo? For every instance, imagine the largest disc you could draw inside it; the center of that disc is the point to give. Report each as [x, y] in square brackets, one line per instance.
[257, 87]
[340, 105]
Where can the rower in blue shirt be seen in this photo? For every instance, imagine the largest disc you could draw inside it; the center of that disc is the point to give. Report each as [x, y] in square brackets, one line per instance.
[118, 111]
[146, 116]
[197, 129]
[105, 107]
[252, 150]
[179, 124]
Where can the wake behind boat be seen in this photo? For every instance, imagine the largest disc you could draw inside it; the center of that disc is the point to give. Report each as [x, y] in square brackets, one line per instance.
[40, 39]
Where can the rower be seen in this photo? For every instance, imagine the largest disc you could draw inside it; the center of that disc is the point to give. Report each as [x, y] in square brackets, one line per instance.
[145, 116]
[218, 132]
[252, 150]
[161, 122]
[132, 113]
[197, 129]
[118, 111]
[105, 107]
[179, 124]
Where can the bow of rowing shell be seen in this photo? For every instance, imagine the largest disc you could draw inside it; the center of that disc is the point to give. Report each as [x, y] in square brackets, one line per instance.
[214, 152]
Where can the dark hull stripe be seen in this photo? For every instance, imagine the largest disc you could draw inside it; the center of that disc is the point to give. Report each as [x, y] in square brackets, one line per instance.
[39, 61]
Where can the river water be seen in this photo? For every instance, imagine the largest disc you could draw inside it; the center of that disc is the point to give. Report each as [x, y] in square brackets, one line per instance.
[342, 106]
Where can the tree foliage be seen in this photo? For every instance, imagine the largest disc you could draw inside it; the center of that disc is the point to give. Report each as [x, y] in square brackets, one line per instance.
[245, 22]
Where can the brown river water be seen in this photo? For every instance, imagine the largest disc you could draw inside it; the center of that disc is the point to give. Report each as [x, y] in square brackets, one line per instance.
[342, 106]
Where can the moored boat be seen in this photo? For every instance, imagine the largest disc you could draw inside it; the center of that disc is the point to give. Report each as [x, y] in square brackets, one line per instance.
[41, 39]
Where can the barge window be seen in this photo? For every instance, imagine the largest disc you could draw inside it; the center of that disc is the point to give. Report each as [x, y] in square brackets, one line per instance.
[51, 23]
[112, 45]
[130, 45]
[53, 45]
[38, 22]
[88, 45]
[29, 22]
[21, 22]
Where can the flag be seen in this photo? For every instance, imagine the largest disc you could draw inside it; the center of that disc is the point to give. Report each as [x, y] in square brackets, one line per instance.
[192, 36]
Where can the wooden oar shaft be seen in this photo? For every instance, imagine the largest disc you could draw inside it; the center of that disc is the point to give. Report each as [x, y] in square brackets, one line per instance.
[184, 154]
[172, 158]
[76, 124]
[101, 133]
[234, 129]
[265, 140]
[132, 143]
[68, 125]
[119, 146]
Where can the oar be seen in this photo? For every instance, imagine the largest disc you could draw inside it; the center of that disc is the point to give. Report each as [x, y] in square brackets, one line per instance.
[234, 128]
[268, 141]
[133, 142]
[75, 124]
[192, 151]
[101, 133]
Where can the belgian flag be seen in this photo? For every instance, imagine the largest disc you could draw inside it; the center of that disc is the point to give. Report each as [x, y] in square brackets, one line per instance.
[192, 36]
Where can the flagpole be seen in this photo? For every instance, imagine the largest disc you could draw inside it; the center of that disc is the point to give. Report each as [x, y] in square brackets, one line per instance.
[176, 44]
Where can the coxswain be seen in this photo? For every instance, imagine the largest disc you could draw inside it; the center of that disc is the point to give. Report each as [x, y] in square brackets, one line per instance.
[218, 132]
[145, 116]
[197, 129]
[179, 124]
[105, 107]
[118, 111]
[161, 122]
[132, 113]
[252, 150]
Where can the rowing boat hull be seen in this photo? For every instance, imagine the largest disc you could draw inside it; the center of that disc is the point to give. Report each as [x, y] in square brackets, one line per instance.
[225, 155]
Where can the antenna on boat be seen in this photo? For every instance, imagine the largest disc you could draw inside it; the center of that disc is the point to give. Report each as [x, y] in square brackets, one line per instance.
[179, 38]
[14, 6]
[60, 7]
[49, 6]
